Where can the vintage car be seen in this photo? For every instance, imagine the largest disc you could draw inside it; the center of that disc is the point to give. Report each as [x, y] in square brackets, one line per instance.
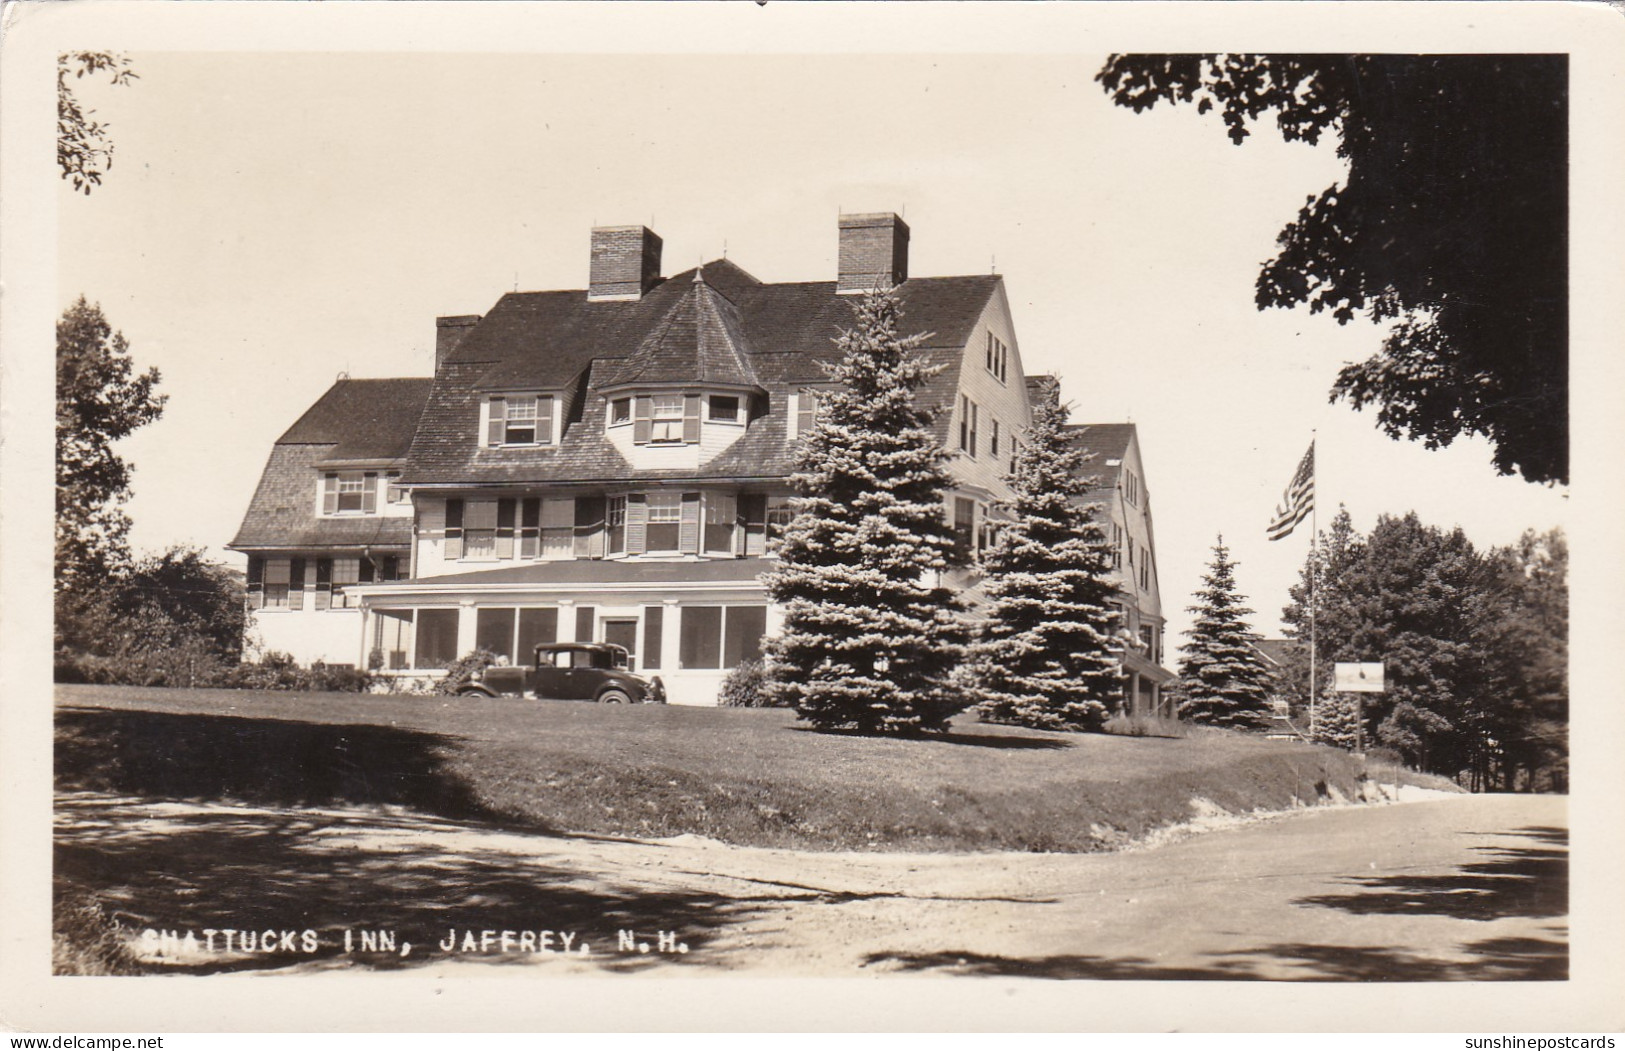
[571, 671]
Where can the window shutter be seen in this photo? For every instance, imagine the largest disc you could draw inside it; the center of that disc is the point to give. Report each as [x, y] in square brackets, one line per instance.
[497, 428]
[530, 527]
[654, 622]
[505, 510]
[691, 418]
[637, 524]
[454, 528]
[544, 419]
[256, 582]
[643, 408]
[688, 539]
[324, 583]
[584, 619]
[369, 493]
[753, 512]
[296, 584]
[330, 494]
[589, 528]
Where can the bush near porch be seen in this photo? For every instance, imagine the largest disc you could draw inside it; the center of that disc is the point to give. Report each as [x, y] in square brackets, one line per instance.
[741, 775]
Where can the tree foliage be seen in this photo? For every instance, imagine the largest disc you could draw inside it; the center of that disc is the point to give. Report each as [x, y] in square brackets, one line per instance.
[1474, 646]
[1049, 653]
[83, 150]
[99, 400]
[870, 636]
[172, 619]
[1222, 679]
[1451, 223]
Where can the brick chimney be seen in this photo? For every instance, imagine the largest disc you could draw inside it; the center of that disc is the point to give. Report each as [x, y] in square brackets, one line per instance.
[625, 262]
[874, 252]
[448, 332]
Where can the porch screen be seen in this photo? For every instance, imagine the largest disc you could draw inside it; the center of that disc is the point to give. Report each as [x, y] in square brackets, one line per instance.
[392, 632]
[436, 638]
[493, 631]
[742, 635]
[536, 626]
[701, 643]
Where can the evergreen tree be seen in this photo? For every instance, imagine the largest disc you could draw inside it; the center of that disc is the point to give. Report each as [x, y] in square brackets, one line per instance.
[870, 636]
[1049, 653]
[1222, 679]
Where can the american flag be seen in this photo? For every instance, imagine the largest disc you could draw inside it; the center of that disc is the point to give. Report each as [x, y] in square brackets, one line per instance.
[1298, 500]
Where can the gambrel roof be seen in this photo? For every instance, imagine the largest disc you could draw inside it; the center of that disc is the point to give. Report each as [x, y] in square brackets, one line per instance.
[723, 328]
[356, 421]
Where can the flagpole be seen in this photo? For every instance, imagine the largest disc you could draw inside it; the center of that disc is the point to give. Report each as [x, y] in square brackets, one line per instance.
[1314, 572]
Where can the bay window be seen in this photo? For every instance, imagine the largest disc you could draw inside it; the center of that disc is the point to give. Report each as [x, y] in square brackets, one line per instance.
[666, 418]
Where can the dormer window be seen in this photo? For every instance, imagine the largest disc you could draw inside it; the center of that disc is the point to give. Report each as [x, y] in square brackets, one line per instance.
[666, 416]
[350, 493]
[519, 419]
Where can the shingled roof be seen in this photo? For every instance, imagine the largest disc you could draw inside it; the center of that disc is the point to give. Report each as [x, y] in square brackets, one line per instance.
[356, 420]
[726, 327]
[1108, 442]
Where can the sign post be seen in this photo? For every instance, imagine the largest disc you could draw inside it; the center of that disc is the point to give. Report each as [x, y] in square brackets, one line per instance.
[1357, 678]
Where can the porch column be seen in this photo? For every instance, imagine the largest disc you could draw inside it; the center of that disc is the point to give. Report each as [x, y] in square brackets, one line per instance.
[1134, 706]
[567, 621]
[671, 634]
[466, 627]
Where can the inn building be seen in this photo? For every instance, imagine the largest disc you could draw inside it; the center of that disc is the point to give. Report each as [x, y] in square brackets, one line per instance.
[607, 464]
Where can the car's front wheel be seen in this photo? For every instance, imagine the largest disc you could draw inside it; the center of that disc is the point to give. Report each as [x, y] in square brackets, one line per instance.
[614, 697]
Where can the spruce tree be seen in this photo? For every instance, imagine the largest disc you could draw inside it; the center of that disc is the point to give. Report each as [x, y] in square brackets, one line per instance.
[870, 637]
[1049, 655]
[1222, 679]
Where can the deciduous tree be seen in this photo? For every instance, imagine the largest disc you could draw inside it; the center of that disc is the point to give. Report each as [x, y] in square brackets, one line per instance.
[84, 151]
[1451, 223]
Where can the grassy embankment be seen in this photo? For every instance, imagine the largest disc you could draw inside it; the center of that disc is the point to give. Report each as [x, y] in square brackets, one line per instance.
[750, 777]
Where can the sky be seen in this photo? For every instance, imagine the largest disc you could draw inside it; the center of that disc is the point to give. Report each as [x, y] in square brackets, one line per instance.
[276, 220]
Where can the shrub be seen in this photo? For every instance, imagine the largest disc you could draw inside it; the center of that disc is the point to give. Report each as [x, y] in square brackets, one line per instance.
[464, 670]
[746, 687]
[85, 940]
[1144, 726]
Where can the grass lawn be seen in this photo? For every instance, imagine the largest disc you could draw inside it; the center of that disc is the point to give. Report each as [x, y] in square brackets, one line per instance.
[744, 776]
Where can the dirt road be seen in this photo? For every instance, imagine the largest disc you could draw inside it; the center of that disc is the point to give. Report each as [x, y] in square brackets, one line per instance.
[1464, 887]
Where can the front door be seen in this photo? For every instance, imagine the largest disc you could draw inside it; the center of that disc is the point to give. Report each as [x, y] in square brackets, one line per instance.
[624, 633]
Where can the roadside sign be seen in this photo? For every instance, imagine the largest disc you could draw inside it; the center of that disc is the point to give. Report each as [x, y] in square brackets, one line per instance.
[1357, 678]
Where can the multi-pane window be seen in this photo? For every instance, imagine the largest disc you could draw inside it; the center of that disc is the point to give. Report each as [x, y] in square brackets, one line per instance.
[666, 414]
[620, 411]
[480, 529]
[998, 357]
[1015, 453]
[724, 408]
[615, 524]
[346, 571]
[721, 513]
[277, 571]
[964, 531]
[349, 492]
[665, 521]
[806, 409]
[779, 516]
[993, 440]
[969, 415]
[520, 419]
